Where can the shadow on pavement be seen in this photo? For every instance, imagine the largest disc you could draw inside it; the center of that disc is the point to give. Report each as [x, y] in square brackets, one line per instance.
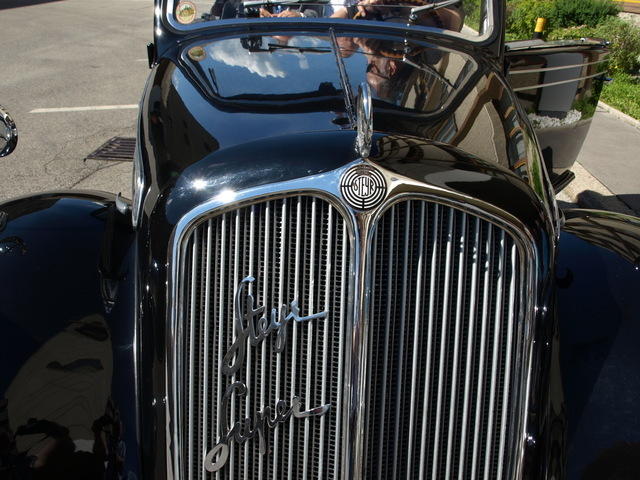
[632, 201]
[5, 4]
[627, 204]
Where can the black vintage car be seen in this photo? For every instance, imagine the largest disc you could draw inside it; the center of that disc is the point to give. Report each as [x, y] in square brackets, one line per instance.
[343, 259]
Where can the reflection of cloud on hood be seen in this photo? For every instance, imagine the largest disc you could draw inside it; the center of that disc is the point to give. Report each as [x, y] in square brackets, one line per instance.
[303, 62]
[303, 41]
[307, 42]
[232, 53]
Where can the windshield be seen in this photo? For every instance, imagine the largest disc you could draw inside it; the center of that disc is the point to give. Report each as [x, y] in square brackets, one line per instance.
[258, 71]
[458, 17]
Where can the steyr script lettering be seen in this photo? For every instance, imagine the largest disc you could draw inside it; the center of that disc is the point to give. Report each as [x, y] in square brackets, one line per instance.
[252, 325]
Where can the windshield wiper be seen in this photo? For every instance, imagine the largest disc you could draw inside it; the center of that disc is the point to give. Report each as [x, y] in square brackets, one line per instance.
[276, 46]
[413, 15]
[427, 69]
[347, 93]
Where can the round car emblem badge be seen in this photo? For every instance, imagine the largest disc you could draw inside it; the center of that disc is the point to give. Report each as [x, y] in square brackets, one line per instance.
[363, 187]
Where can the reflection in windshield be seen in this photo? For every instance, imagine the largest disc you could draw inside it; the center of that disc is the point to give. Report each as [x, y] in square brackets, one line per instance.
[452, 15]
[233, 55]
[402, 74]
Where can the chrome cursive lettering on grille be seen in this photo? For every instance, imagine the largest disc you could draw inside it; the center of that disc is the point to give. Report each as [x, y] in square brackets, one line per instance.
[258, 326]
[249, 428]
[252, 326]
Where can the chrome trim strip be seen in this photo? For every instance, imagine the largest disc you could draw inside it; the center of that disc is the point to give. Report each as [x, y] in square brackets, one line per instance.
[550, 84]
[551, 69]
[386, 346]
[355, 362]
[355, 376]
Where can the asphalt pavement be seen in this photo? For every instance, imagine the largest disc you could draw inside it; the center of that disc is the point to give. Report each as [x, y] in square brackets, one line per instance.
[67, 54]
[60, 59]
[608, 167]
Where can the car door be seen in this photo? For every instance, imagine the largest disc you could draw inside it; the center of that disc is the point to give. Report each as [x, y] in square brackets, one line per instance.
[558, 83]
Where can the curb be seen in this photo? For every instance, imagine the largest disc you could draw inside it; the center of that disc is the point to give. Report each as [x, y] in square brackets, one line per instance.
[620, 115]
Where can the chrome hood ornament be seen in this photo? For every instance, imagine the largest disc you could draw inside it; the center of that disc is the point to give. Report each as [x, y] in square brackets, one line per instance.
[364, 120]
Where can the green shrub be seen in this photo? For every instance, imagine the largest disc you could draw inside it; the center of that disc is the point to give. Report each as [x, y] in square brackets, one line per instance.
[522, 14]
[471, 10]
[568, 13]
[624, 56]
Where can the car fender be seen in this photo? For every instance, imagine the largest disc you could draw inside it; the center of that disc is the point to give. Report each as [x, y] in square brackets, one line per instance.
[67, 337]
[598, 295]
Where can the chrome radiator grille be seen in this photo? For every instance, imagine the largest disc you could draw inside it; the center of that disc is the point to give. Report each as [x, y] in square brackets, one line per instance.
[442, 346]
[296, 249]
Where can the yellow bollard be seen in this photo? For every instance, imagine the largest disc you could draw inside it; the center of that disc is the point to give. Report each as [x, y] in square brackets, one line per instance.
[540, 24]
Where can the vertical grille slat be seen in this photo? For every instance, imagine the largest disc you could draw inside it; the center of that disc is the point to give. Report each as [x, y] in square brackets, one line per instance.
[417, 317]
[456, 339]
[385, 368]
[494, 359]
[483, 344]
[430, 322]
[343, 273]
[442, 355]
[296, 249]
[294, 357]
[507, 376]
[325, 350]
[205, 340]
[309, 343]
[443, 326]
[192, 344]
[250, 271]
[469, 354]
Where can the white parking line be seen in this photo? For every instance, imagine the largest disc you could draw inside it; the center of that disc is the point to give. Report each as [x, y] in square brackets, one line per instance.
[85, 109]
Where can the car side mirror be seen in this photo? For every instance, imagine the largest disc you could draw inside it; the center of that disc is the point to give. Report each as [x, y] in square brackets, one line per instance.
[8, 133]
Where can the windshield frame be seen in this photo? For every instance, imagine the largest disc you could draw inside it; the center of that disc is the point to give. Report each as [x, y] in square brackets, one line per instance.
[492, 20]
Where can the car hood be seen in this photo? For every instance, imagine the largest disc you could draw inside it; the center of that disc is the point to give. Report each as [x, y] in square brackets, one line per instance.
[240, 111]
